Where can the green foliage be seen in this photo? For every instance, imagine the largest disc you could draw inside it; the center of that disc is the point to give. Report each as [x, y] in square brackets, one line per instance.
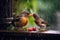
[11, 27]
[31, 21]
[25, 28]
[25, 5]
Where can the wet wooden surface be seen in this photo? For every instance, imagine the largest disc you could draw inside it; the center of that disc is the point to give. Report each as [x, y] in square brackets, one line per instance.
[13, 35]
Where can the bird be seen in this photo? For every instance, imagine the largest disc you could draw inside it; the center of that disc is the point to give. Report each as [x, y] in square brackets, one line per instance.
[39, 21]
[21, 20]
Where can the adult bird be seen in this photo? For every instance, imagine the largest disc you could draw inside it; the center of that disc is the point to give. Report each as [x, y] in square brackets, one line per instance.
[21, 20]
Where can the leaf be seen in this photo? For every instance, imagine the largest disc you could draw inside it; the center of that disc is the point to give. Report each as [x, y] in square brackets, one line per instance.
[25, 28]
[10, 27]
[31, 21]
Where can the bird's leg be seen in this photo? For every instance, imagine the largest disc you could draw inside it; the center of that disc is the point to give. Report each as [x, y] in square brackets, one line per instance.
[20, 28]
[43, 27]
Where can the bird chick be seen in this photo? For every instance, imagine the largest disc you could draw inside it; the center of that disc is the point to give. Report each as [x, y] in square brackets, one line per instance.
[39, 21]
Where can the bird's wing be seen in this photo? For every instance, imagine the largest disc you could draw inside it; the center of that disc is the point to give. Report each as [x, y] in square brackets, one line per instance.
[38, 23]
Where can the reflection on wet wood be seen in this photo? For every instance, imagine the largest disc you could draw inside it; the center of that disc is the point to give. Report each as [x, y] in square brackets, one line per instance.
[27, 36]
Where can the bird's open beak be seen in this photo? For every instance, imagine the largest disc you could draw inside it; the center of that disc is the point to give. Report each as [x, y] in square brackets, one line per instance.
[30, 14]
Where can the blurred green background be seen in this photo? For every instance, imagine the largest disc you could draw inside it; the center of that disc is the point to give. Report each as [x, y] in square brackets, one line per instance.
[45, 8]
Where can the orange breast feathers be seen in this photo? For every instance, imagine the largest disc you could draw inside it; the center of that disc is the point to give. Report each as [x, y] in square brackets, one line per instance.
[23, 21]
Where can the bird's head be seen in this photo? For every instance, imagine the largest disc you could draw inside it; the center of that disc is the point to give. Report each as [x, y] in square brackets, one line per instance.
[26, 14]
[36, 16]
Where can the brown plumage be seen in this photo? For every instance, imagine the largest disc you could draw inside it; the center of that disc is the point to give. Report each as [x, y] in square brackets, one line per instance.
[39, 21]
[21, 20]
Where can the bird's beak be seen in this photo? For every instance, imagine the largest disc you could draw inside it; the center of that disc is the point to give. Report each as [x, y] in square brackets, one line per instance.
[30, 14]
